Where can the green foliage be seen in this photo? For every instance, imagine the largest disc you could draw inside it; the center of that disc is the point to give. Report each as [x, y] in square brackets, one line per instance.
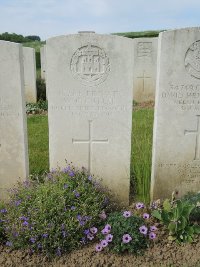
[3, 212]
[33, 38]
[139, 34]
[17, 38]
[36, 108]
[121, 226]
[38, 61]
[41, 89]
[175, 216]
[51, 217]
[38, 144]
[142, 131]
[194, 198]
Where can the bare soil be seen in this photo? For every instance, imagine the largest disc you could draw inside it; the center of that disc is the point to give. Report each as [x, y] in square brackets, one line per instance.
[161, 253]
[144, 105]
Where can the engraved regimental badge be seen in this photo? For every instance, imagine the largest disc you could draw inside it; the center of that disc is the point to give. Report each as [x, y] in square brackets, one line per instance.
[90, 65]
[192, 60]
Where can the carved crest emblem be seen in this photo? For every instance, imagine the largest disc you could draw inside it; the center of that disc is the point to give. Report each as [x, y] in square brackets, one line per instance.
[90, 65]
[192, 60]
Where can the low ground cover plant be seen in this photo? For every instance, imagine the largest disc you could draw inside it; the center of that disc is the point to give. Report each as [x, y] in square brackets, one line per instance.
[126, 231]
[194, 198]
[37, 108]
[52, 216]
[175, 216]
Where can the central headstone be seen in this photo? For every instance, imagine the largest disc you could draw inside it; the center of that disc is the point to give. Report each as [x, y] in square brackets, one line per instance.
[176, 146]
[89, 83]
[13, 130]
[144, 70]
[30, 74]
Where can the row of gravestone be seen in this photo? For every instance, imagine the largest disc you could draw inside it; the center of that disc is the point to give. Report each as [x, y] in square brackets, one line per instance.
[89, 82]
[144, 66]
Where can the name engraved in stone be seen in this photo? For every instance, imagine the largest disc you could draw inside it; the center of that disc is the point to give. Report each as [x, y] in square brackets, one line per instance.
[144, 49]
[192, 60]
[184, 96]
[90, 65]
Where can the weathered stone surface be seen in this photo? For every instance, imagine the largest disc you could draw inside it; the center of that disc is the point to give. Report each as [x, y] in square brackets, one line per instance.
[176, 151]
[145, 66]
[13, 131]
[89, 84]
[43, 61]
[30, 75]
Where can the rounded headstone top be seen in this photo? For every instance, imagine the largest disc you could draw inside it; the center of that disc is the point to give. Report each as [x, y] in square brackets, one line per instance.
[86, 32]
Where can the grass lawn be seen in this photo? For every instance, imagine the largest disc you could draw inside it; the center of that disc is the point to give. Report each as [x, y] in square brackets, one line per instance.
[140, 157]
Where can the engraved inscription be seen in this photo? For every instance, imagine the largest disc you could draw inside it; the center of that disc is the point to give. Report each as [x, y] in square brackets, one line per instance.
[192, 60]
[143, 77]
[90, 64]
[89, 141]
[197, 134]
[144, 49]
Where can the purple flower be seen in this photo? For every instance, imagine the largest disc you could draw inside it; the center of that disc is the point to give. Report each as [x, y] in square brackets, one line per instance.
[104, 243]
[126, 238]
[58, 252]
[86, 231]
[103, 215]
[139, 205]
[17, 203]
[143, 230]
[105, 231]
[98, 247]
[9, 244]
[65, 186]
[152, 235]
[25, 223]
[32, 239]
[82, 223]
[24, 218]
[109, 238]
[79, 217]
[77, 194]
[90, 236]
[39, 246]
[73, 208]
[66, 169]
[127, 214]
[153, 228]
[45, 235]
[53, 170]
[71, 174]
[64, 234]
[146, 216]
[108, 227]
[93, 230]
[3, 210]
[90, 177]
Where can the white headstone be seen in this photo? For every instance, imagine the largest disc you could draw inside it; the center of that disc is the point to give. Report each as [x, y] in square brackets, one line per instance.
[176, 145]
[89, 84]
[13, 131]
[43, 61]
[145, 66]
[30, 74]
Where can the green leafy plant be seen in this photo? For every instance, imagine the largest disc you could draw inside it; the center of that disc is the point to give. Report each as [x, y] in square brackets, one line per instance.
[36, 108]
[3, 212]
[194, 198]
[122, 232]
[175, 216]
[51, 217]
[41, 89]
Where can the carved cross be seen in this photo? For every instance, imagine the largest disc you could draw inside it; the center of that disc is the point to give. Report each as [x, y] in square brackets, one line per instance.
[143, 77]
[89, 141]
[197, 134]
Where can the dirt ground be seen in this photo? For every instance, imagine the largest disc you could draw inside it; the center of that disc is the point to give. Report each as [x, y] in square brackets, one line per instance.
[161, 254]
